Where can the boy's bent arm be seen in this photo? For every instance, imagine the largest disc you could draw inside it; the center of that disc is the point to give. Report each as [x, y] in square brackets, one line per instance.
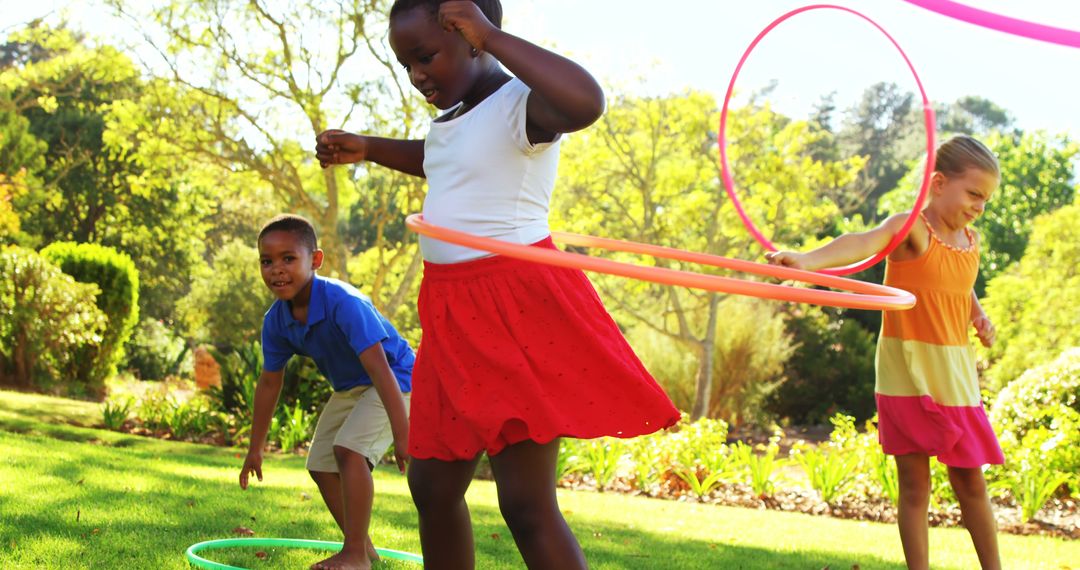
[382, 378]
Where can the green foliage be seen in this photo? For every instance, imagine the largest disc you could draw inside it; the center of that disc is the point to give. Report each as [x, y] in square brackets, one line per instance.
[831, 369]
[46, 320]
[698, 454]
[154, 351]
[760, 467]
[1033, 304]
[292, 427]
[240, 371]
[600, 458]
[115, 412]
[116, 276]
[829, 471]
[1034, 487]
[227, 300]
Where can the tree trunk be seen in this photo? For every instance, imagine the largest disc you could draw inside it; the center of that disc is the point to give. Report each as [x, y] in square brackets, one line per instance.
[705, 365]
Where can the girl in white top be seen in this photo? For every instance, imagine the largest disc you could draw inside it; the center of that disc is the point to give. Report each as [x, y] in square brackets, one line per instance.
[514, 355]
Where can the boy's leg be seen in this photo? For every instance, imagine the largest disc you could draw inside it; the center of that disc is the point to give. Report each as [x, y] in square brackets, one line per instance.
[356, 492]
[970, 488]
[525, 476]
[913, 475]
[330, 488]
[438, 490]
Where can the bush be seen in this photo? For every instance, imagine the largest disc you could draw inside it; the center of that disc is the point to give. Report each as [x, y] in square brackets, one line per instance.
[45, 321]
[118, 280]
[1033, 303]
[154, 352]
[831, 371]
[1037, 417]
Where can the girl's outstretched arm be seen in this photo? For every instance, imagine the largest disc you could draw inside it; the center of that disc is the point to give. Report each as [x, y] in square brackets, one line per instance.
[339, 147]
[844, 250]
[565, 97]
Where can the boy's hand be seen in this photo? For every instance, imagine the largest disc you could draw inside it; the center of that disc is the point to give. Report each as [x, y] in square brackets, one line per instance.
[252, 464]
[985, 330]
[336, 146]
[786, 259]
[401, 451]
[468, 20]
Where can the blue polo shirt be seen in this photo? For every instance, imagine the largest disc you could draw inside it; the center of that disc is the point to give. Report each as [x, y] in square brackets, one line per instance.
[341, 323]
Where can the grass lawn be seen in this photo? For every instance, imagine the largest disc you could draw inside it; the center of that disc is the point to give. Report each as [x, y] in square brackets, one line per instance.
[78, 497]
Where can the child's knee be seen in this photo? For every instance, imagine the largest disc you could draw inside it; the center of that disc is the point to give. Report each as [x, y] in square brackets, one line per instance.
[915, 490]
[346, 457]
[967, 483]
[432, 494]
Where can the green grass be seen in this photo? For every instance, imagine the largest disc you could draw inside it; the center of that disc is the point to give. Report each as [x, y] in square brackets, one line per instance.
[77, 497]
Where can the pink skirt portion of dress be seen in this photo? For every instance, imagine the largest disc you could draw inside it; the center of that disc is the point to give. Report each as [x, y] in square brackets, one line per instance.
[514, 351]
[960, 436]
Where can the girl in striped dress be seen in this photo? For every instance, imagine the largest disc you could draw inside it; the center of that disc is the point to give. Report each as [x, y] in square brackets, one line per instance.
[927, 390]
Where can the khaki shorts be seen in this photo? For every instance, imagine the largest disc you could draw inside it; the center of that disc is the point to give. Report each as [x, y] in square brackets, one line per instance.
[356, 420]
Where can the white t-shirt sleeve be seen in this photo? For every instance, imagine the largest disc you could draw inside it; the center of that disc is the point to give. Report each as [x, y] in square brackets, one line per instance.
[516, 109]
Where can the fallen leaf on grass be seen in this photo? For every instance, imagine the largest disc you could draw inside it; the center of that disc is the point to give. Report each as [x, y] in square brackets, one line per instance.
[260, 555]
[243, 531]
[495, 535]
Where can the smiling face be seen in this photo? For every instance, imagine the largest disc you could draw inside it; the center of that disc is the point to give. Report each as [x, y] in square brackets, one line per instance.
[288, 265]
[439, 63]
[961, 199]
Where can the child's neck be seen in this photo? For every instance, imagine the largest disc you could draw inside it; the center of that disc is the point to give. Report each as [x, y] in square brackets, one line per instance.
[298, 305]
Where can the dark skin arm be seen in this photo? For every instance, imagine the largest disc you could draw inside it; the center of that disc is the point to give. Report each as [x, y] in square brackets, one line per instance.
[267, 392]
[565, 98]
[382, 378]
[340, 147]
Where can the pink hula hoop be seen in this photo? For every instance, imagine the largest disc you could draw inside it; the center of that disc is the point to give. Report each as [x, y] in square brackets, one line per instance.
[1001, 23]
[928, 114]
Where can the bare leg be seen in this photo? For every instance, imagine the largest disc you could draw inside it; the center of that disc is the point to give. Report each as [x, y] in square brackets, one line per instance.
[351, 509]
[525, 476]
[913, 474]
[970, 488]
[438, 490]
[330, 488]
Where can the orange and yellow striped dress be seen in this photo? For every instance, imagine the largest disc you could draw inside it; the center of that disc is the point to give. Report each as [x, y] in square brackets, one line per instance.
[927, 388]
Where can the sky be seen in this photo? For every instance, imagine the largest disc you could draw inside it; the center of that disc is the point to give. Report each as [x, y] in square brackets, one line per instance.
[664, 47]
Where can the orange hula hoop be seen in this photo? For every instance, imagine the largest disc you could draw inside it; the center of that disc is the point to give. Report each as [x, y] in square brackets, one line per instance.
[858, 295]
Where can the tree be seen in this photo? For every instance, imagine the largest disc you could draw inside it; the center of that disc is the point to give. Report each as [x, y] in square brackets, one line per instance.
[647, 172]
[254, 103]
[70, 108]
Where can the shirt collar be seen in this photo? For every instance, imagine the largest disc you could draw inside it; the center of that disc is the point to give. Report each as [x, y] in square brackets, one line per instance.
[316, 304]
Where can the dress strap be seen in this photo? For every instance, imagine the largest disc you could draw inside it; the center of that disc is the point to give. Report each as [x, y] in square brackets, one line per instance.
[934, 237]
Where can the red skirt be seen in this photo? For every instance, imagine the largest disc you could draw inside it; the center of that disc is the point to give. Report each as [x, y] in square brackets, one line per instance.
[514, 350]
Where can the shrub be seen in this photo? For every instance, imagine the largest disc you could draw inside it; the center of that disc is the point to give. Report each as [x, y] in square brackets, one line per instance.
[118, 281]
[831, 370]
[1039, 396]
[1032, 304]
[154, 352]
[45, 320]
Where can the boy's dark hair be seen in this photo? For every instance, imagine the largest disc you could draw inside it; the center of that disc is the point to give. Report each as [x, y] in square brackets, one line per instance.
[296, 225]
[491, 8]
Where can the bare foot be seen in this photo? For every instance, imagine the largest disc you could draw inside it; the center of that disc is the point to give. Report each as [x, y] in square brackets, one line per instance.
[344, 560]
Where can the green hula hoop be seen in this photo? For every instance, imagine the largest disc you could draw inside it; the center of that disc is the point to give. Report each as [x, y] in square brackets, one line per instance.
[196, 560]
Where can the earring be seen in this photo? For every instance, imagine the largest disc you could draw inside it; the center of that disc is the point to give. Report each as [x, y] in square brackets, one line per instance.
[475, 52]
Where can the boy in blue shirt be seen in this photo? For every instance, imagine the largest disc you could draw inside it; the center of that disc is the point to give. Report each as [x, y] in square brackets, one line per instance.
[356, 349]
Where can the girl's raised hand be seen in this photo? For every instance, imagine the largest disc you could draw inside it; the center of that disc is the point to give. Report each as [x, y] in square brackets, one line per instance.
[466, 17]
[336, 146]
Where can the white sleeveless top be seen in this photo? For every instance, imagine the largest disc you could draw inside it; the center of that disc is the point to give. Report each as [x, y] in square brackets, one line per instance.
[486, 178]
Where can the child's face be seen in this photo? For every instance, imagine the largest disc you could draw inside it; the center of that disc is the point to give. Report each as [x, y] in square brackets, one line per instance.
[963, 197]
[439, 62]
[287, 264]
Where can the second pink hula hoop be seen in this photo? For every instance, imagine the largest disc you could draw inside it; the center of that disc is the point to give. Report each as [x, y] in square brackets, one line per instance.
[928, 114]
[1000, 22]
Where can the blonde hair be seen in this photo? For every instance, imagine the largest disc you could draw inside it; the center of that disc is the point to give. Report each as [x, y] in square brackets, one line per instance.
[962, 152]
